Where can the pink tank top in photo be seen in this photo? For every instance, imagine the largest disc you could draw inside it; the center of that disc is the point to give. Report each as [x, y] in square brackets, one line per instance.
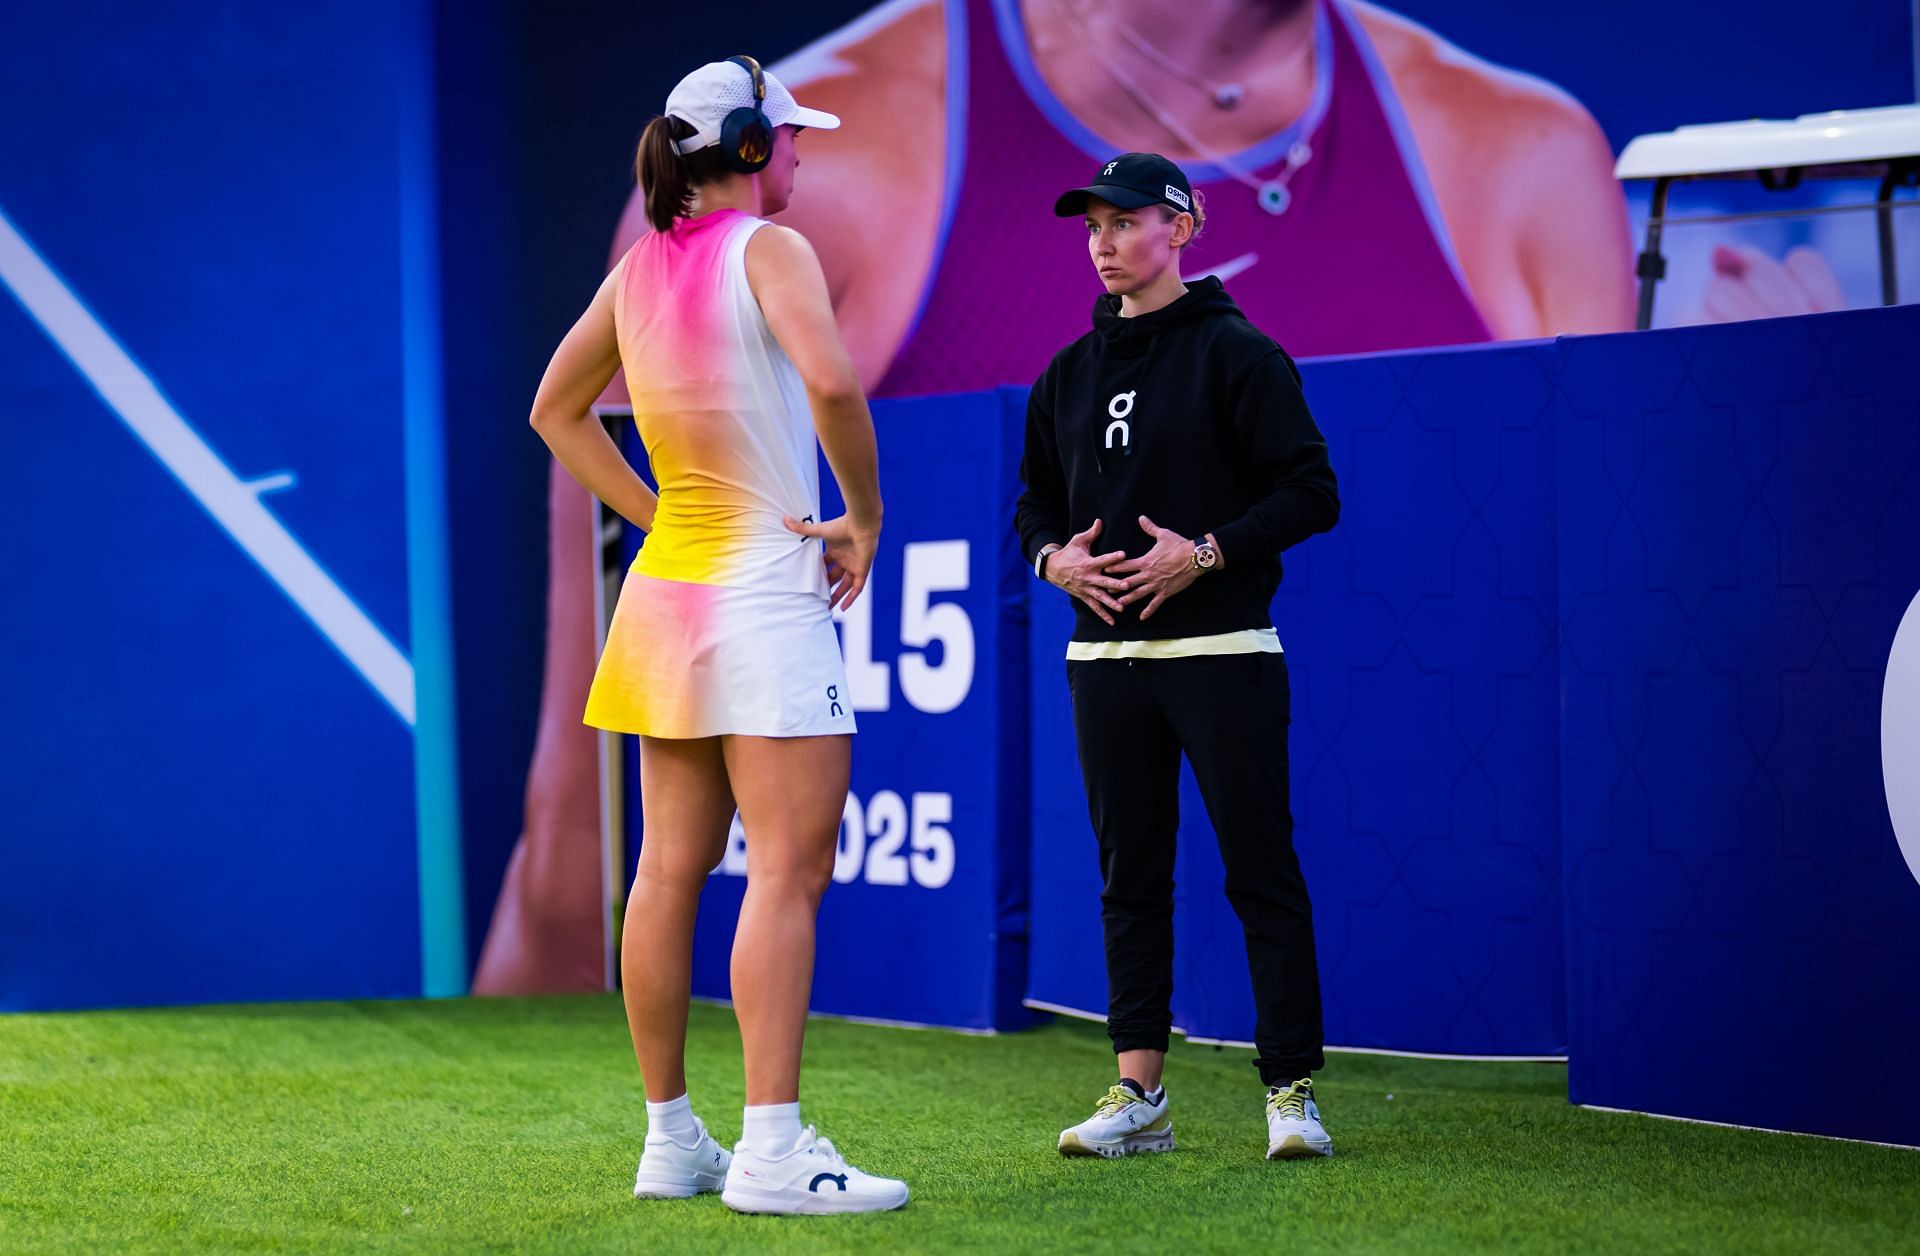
[1359, 261]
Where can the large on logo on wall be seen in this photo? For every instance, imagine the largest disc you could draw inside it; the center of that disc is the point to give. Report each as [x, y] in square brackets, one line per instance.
[1900, 736]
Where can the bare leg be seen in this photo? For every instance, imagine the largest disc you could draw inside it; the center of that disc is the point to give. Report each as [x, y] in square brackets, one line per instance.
[686, 808]
[791, 793]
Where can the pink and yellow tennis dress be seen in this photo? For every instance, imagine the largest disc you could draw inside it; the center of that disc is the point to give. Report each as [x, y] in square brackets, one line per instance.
[723, 625]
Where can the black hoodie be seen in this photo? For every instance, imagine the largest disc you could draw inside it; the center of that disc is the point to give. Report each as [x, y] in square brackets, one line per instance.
[1190, 416]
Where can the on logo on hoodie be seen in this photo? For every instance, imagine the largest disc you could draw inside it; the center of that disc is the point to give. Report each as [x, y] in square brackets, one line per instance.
[1118, 409]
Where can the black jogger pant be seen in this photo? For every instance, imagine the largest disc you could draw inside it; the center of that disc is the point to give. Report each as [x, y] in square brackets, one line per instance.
[1229, 714]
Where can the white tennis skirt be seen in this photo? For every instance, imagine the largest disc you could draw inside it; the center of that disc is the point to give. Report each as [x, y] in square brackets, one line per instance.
[705, 660]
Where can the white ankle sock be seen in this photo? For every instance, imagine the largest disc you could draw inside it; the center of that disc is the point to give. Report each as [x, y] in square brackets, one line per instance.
[771, 1129]
[673, 1119]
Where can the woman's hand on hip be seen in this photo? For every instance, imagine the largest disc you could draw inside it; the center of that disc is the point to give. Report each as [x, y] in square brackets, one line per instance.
[1159, 573]
[1083, 573]
[849, 555]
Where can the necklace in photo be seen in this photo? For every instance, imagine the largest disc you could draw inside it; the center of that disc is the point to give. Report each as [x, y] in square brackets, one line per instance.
[1225, 94]
[1273, 194]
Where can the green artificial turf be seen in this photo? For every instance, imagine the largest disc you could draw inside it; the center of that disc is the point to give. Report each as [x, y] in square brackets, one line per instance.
[514, 1125]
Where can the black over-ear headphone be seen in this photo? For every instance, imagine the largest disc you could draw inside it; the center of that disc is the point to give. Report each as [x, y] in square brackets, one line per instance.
[746, 140]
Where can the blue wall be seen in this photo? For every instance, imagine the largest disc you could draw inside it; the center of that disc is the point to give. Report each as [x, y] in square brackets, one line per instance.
[1420, 635]
[1587, 741]
[203, 798]
[230, 205]
[1420, 644]
[1740, 535]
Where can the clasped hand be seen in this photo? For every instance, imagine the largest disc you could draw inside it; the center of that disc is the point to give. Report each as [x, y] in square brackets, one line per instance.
[1109, 583]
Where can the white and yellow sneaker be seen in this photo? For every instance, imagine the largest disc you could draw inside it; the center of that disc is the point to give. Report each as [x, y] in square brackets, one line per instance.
[812, 1178]
[1294, 1131]
[1125, 1122]
[669, 1171]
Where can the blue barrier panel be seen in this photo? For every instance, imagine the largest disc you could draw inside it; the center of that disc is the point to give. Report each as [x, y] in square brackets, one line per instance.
[926, 920]
[208, 783]
[1740, 536]
[1419, 639]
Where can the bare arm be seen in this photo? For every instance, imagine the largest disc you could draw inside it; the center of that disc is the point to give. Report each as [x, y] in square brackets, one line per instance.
[1572, 236]
[1524, 180]
[887, 165]
[787, 280]
[562, 411]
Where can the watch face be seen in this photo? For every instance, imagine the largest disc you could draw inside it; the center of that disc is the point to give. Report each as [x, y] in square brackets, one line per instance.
[1204, 556]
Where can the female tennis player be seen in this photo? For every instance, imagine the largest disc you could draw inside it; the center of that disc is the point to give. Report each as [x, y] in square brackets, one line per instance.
[721, 655]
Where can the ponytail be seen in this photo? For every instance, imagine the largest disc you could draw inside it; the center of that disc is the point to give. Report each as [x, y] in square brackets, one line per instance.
[667, 178]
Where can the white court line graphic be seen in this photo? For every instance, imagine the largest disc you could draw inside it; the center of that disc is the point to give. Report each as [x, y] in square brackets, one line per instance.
[233, 503]
[1225, 270]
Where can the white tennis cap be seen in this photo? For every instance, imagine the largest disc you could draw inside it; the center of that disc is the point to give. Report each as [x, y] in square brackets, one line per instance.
[704, 98]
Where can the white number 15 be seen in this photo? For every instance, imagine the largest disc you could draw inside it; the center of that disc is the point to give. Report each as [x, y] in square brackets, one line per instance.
[930, 567]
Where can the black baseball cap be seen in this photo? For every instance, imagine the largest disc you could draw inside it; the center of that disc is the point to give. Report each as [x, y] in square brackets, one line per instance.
[1132, 181]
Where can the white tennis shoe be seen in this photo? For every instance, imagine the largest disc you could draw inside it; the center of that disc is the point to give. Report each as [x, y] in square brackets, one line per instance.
[1294, 1131]
[669, 1171]
[1123, 1124]
[812, 1178]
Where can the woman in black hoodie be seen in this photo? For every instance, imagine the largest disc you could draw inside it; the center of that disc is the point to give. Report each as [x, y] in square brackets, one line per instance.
[1170, 458]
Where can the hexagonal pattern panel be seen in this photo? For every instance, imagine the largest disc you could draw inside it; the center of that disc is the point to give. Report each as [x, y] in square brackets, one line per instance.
[1585, 719]
[1736, 903]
